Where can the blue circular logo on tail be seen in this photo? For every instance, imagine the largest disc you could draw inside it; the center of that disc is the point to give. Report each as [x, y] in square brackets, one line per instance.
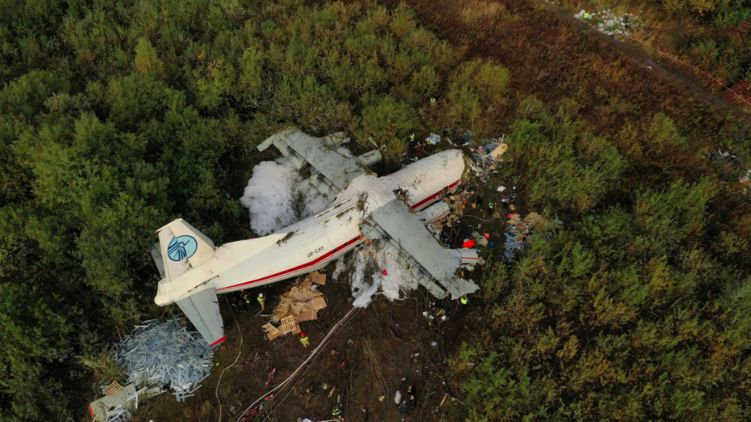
[182, 247]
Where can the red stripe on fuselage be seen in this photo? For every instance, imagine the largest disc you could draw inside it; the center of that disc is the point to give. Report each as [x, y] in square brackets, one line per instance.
[350, 242]
[218, 341]
[435, 195]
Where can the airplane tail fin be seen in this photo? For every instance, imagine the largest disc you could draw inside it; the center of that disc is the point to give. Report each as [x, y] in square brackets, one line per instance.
[182, 246]
[202, 309]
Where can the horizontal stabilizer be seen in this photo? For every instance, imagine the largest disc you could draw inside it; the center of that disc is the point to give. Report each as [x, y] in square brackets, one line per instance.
[202, 309]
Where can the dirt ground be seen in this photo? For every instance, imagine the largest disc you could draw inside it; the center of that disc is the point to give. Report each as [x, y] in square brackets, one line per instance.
[367, 358]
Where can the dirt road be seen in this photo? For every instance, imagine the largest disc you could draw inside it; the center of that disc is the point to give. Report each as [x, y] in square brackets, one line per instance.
[661, 69]
[553, 55]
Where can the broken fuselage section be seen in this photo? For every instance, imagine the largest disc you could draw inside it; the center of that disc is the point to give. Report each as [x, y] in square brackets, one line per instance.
[366, 207]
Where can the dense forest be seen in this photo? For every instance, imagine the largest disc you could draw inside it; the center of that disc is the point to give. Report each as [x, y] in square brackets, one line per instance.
[116, 117]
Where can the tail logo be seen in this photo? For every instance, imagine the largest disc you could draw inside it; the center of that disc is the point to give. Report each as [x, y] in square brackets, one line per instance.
[182, 247]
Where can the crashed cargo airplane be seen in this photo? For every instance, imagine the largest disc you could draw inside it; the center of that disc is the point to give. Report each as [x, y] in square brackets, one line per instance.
[393, 208]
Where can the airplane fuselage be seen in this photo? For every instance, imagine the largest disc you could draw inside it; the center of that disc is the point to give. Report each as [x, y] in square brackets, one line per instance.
[315, 241]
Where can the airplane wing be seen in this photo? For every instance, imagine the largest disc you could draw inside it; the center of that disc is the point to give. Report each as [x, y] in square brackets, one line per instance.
[336, 168]
[406, 231]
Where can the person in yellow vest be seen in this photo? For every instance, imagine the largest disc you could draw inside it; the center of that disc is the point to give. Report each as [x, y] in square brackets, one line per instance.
[464, 300]
[261, 301]
[304, 340]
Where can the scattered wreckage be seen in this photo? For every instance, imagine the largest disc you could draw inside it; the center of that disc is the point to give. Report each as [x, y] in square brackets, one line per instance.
[156, 354]
[165, 353]
[366, 208]
[394, 223]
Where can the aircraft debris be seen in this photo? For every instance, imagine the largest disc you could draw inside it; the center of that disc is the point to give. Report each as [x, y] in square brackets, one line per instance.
[115, 405]
[433, 139]
[745, 181]
[160, 353]
[610, 23]
[520, 229]
[435, 312]
[118, 402]
[466, 137]
[489, 154]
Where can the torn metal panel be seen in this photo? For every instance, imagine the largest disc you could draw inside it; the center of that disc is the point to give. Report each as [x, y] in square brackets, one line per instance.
[122, 399]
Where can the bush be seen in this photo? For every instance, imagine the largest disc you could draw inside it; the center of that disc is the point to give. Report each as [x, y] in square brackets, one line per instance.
[476, 96]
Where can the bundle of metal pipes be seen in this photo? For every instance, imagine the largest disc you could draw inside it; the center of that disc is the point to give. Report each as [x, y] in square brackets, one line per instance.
[165, 353]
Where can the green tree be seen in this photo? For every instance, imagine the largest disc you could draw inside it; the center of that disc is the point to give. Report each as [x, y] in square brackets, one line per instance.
[476, 95]
[387, 123]
[147, 60]
[566, 167]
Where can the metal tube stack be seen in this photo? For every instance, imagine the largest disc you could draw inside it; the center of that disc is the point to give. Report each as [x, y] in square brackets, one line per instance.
[165, 353]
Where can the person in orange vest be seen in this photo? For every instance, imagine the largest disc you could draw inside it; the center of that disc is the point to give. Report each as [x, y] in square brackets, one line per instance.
[304, 340]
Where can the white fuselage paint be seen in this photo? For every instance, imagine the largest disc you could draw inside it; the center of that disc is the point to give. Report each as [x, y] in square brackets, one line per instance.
[315, 241]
